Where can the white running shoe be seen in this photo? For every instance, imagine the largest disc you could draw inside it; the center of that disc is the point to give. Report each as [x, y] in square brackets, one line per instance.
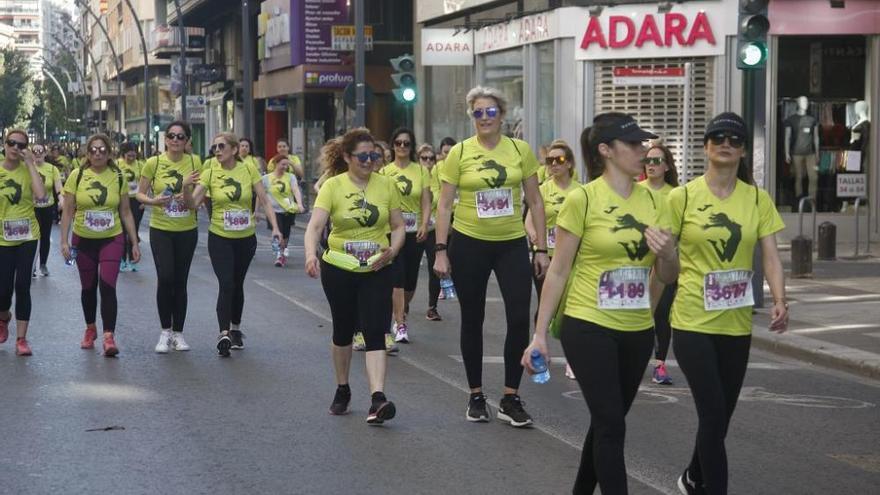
[177, 342]
[286, 253]
[401, 335]
[164, 342]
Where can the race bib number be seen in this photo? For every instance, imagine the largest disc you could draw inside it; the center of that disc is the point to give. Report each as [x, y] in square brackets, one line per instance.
[132, 188]
[624, 288]
[551, 238]
[362, 250]
[236, 220]
[17, 230]
[176, 209]
[728, 289]
[99, 221]
[410, 222]
[494, 203]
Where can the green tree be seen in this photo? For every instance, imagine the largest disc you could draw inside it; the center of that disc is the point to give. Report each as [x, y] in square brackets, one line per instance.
[17, 97]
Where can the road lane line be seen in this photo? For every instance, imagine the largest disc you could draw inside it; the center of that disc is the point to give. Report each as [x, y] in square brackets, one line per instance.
[854, 298]
[663, 487]
[828, 328]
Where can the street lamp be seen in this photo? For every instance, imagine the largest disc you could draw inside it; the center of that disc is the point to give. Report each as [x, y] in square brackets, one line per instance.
[117, 64]
[94, 64]
[149, 114]
[181, 29]
[80, 74]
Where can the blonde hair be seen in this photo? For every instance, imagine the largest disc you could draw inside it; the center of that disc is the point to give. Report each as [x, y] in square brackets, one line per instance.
[228, 137]
[425, 147]
[560, 144]
[486, 92]
[24, 133]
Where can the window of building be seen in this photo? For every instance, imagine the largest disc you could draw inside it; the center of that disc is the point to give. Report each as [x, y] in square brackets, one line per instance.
[504, 71]
[546, 92]
[449, 117]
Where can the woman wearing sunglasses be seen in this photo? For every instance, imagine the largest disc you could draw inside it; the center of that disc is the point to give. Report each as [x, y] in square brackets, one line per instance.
[22, 187]
[545, 172]
[286, 199]
[661, 176]
[560, 161]
[45, 209]
[234, 189]
[609, 234]
[173, 231]
[414, 183]
[131, 169]
[362, 206]
[96, 194]
[720, 218]
[428, 159]
[491, 171]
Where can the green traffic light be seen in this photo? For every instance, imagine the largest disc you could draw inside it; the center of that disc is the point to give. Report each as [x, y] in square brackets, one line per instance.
[409, 94]
[753, 54]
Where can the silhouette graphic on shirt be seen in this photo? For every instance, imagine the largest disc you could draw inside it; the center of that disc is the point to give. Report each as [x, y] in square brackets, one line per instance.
[235, 194]
[635, 250]
[99, 199]
[369, 212]
[15, 196]
[174, 175]
[499, 180]
[404, 185]
[725, 248]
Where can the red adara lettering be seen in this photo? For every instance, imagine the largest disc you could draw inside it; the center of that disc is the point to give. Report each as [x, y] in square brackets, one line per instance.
[622, 31]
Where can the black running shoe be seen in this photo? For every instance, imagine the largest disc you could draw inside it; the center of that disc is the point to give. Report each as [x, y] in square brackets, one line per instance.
[687, 486]
[477, 410]
[381, 410]
[237, 338]
[511, 411]
[223, 345]
[341, 401]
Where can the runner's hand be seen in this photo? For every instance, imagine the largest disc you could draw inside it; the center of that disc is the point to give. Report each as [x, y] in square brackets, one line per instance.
[135, 252]
[421, 234]
[661, 242]
[539, 343]
[779, 317]
[190, 179]
[313, 268]
[65, 251]
[384, 260]
[441, 264]
[541, 263]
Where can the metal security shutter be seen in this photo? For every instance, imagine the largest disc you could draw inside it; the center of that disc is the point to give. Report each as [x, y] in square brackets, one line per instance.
[660, 109]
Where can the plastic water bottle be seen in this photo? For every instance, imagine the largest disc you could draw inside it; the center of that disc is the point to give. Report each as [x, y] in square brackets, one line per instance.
[542, 372]
[447, 287]
[72, 260]
[276, 246]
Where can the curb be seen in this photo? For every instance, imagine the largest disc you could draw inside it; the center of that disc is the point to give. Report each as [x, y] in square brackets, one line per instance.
[842, 358]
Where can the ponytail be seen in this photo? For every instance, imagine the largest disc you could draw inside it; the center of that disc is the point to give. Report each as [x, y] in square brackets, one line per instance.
[744, 172]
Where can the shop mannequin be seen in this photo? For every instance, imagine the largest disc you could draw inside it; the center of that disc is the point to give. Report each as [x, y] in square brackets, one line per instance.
[802, 147]
[861, 132]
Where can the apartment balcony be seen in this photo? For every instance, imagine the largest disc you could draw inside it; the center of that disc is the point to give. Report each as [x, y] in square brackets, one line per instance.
[165, 41]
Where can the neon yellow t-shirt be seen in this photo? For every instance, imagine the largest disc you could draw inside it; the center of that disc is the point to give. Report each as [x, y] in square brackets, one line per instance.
[544, 173]
[717, 235]
[50, 174]
[553, 197]
[411, 182]
[663, 192]
[489, 183]
[294, 160]
[360, 217]
[17, 207]
[609, 278]
[131, 172]
[280, 191]
[97, 202]
[248, 160]
[231, 193]
[162, 172]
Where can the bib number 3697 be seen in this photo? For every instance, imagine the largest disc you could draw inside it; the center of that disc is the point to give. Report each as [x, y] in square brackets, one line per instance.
[99, 220]
[624, 288]
[728, 289]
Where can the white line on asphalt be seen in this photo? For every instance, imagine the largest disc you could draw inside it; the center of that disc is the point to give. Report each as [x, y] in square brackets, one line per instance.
[823, 299]
[656, 485]
[559, 361]
[828, 328]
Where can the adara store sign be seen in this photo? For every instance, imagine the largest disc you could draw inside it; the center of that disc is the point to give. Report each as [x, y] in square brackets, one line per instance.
[637, 32]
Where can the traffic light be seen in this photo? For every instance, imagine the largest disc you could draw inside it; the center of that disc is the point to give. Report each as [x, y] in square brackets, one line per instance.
[751, 37]
[156, 123]
[404, 77]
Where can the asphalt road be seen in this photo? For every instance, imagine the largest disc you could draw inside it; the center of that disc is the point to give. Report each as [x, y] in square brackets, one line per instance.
[258, 423]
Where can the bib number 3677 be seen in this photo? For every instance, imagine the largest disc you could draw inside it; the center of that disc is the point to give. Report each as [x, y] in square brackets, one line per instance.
[624, 288]
[727, 289]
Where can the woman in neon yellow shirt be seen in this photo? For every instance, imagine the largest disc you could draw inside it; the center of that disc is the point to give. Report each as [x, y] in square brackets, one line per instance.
[233, 188]
[45, 209]
[282, 147]
[609, 235]
[428, 159]
[491, 172]
[286, 199]
[96, 193]
[720, 218]
[354, 270]
[661, 177]
[247, 156]
[21, 187]
[131, 170]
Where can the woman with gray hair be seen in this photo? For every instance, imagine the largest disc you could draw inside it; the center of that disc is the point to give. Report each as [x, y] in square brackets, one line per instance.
[490, 172]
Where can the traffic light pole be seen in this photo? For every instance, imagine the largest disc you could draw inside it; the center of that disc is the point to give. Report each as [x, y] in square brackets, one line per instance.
[247, 83]
[148, 120]
[360, 114]
[181, 29]
[754, 113]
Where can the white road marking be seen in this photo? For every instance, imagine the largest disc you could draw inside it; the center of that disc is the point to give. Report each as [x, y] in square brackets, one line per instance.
[823, 299]
[661, 486]
[829, 328]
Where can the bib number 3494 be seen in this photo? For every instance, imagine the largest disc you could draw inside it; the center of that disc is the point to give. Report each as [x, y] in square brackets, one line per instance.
[624, 288]
[728, 289]
[493, 203]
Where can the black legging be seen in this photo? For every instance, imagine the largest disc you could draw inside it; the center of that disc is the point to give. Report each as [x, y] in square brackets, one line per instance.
[173, 255]
[472, 261]
[45, 217]
[609, 365]
[433, 279]
[715, 367]
[138, 215]
[230, 259]
[358, 301]
[662, 328]
[15, 277]
[539, 284]
[406, 264]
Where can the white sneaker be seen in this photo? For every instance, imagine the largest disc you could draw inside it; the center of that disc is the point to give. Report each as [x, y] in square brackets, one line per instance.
[177, 342]
[286, 253]
[164, 342]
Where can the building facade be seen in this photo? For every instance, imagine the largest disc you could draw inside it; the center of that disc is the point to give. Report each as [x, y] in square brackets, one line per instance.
[25, 17]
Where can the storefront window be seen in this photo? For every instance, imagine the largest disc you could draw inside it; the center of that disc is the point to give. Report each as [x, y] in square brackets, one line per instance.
[504, 71]
[821, 126]
[449, 118]
[546, 130]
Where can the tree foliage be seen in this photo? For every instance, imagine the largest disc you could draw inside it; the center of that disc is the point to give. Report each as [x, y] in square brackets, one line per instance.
[17, 95]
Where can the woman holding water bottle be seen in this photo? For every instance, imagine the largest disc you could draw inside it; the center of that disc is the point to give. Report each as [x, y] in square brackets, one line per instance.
[609, 234]
[173, 232]
[720, 218]
[97, 194]
[24, 186]
[286, 199]
[233, 187]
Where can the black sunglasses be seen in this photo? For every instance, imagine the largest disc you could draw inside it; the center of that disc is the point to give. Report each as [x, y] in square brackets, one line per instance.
[402, 144]
[735, 140]
[217, 147]
[178, 136]
[365, 157]
[16, 144]
[552, 160]
[427, 158]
